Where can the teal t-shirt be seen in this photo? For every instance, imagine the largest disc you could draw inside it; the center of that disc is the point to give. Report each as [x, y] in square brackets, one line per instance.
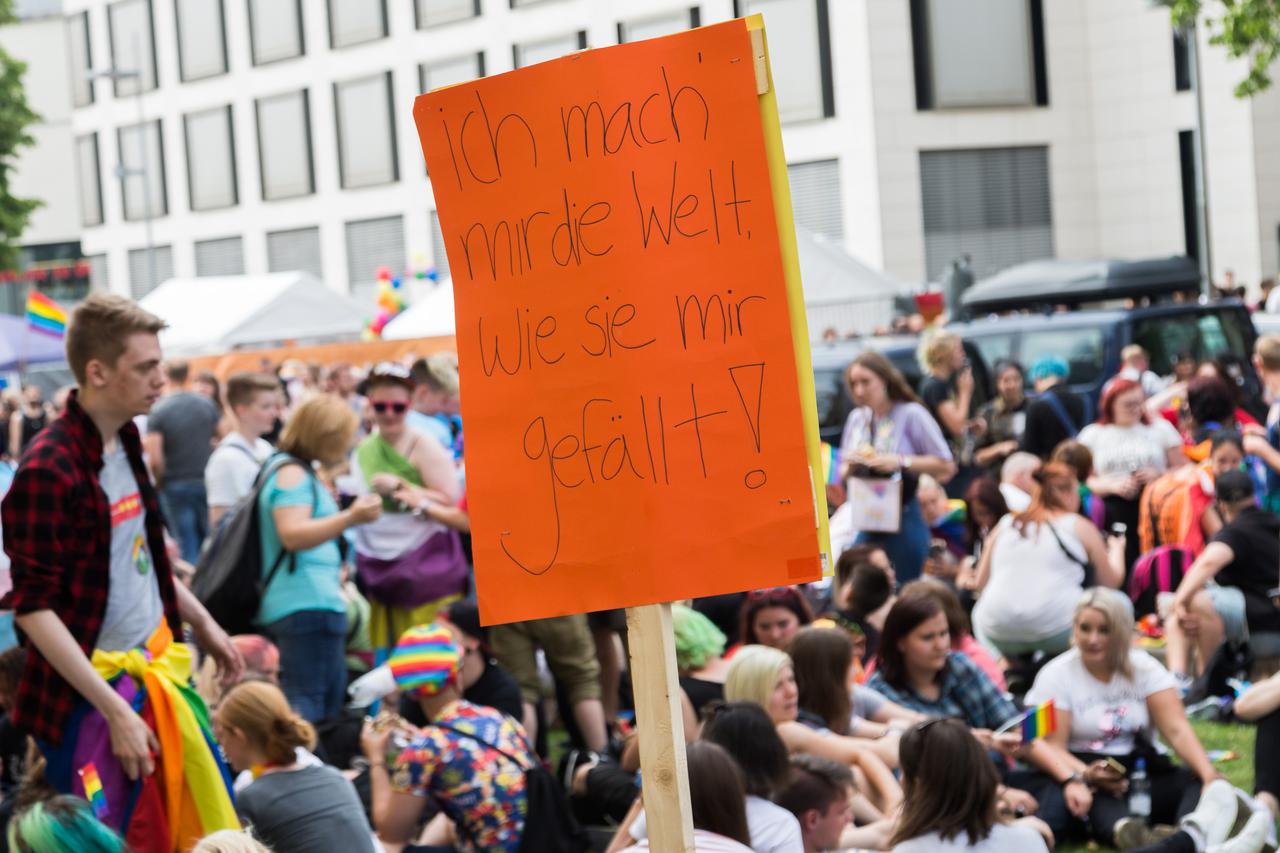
[315, 583]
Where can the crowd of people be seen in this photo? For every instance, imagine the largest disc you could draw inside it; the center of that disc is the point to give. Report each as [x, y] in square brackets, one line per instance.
[362, 706]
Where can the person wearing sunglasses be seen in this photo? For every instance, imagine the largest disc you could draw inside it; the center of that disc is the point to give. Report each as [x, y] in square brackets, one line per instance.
[410, 564]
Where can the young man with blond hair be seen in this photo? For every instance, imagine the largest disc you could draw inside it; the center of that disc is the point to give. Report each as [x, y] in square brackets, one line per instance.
[254, 400]
[104, 686]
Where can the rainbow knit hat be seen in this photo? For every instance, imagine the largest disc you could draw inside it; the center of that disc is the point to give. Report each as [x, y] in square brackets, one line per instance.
[425, 660]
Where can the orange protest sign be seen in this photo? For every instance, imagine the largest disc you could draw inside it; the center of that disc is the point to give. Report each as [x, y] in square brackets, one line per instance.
[634, 429]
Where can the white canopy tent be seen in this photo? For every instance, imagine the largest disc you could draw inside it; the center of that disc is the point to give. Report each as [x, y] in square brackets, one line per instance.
[223, 313]
[840, 291]
[430, 316]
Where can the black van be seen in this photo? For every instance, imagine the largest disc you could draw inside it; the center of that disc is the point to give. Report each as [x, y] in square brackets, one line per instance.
[830, 360]
[1086, 312]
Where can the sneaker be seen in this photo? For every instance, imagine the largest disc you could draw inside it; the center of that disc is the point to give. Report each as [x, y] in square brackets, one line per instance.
[1251, 839]
[1216, 813]
[1133, 832]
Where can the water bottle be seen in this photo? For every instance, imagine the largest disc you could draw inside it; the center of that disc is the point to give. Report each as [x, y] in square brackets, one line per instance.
[1140, 791]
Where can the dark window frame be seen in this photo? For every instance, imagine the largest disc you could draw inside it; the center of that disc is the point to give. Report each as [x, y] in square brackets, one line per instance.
[423, 66]
[922, 58]
[253, 46]
[391, 115]
[419, 25]
[97, 178]
[222, 25]
[196, 243]
[1181, 61]
[826, 72]
[1187, 174]
[695, 18]
[160, 175]
[231, 141]
[515, 48]
[111, 46]
[82, 19]
[386, 26]
[311, 157]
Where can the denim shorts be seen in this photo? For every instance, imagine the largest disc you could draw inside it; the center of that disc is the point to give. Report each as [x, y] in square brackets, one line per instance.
[1229, 602]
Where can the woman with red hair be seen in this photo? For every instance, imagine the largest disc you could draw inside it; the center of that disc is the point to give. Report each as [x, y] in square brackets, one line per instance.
[1130, 449]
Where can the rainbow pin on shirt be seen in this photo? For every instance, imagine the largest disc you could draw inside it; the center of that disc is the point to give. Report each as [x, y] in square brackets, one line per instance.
[93, 790]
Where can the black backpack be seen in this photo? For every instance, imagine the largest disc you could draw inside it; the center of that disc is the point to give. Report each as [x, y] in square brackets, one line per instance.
[549, 824]
[228, 580]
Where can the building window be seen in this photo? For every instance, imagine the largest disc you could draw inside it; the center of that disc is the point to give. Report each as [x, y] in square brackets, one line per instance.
[800, 55]
[366, 131]
[659, 25]
[142, 156]
[81, 59]
[356, 21]
[1007, 34]
[202, 38]
[439, 257]
[295, 249]
[220, 257]
[1190, 180]
[373, 243]
[284, 145]
[98, 282]
[518, 4]
[1181, 61]
[141, 278]
[432, 13]
[275, 30]
[133, 45]
[992, 204]
[450, 72]
[89, 172]
[211, 161]
[815, 197]
[531, 53]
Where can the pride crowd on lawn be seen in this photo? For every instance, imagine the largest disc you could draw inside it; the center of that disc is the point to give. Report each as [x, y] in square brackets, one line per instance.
[1005, 670]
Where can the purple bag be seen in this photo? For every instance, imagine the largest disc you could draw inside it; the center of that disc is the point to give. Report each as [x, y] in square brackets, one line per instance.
[433, 570]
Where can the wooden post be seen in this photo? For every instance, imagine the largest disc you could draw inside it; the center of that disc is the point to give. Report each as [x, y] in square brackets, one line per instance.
[663, 770]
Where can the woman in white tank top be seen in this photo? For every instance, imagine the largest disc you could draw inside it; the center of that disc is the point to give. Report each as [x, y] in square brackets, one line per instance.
[1034, 566]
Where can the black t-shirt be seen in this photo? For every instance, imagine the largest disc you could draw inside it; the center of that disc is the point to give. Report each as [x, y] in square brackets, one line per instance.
[496, 688]
[1254, 538]
[700, 692]
[1045, 429]
[934, 392]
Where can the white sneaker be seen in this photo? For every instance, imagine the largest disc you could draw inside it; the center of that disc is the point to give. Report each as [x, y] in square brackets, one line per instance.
[1251, 839]
[1215, 814]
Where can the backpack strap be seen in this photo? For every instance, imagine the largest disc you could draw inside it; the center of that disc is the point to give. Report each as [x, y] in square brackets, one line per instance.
[1089, 572]
[268, 470]
[492, 746]
[1060, 411]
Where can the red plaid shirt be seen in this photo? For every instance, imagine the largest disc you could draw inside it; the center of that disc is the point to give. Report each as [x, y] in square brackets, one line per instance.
[57, 532]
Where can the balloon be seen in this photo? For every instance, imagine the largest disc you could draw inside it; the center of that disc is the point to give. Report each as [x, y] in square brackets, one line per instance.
[383, 274]
[433, 274]
[395, 283]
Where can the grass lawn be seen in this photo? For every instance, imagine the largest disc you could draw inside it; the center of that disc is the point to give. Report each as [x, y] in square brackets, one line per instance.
[1214, 736]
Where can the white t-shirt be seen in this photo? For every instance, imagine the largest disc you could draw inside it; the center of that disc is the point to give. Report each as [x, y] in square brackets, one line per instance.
[1003, 839]
[1029, 596]
[1123, 450]
[773, 829]
[232, 468]
[1104, 717]
[703, 842]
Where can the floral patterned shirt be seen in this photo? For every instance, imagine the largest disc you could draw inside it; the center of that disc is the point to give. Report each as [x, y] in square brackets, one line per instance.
[481, 790]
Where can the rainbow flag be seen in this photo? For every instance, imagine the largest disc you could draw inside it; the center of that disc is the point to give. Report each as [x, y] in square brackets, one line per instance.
[830, 464]
[45, 316]
[93, 790]
[1039, 722]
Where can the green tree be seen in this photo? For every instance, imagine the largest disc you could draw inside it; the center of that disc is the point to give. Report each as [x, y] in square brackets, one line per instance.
[1246, 28]
[15, 117]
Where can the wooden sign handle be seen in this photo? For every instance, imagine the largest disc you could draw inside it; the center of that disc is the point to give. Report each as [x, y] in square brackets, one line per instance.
[663, 769]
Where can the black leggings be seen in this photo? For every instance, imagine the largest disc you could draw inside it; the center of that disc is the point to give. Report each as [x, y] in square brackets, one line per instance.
[1266, 756]
[1174, 793]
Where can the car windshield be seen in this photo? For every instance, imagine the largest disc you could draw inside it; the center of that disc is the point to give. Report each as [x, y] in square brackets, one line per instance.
[1202, 335]
[1082, 348]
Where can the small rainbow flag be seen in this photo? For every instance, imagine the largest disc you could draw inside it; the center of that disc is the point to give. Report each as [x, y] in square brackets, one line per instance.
[93, 790]
[1039, 721]
[45, 316]
[830, 464]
